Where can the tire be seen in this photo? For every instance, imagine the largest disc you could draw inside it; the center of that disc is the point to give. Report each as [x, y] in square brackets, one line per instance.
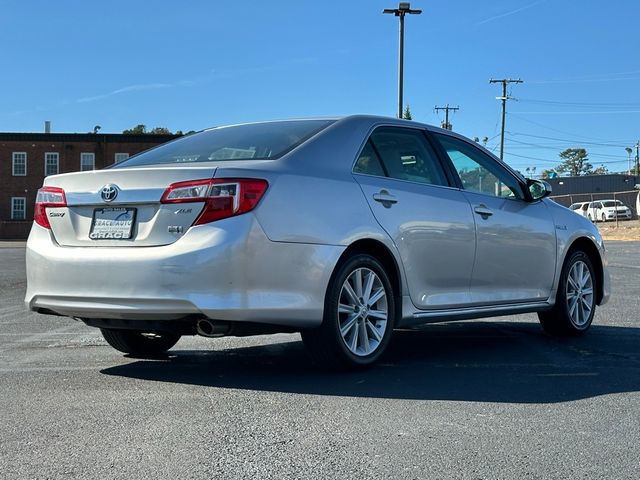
[350, 335]
[589, 217]
[604, 218]
[140, 344]
[570, 317]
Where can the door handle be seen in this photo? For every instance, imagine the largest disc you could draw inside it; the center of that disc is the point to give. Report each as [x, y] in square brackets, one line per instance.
[385, 198]
[483, 211]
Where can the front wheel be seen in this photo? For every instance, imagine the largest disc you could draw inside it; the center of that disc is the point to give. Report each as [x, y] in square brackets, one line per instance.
[359, 316]
[140, 344]
[575, 304]
[604, 218]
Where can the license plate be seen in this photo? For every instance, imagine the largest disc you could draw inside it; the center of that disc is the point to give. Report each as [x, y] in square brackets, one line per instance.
[114, 223]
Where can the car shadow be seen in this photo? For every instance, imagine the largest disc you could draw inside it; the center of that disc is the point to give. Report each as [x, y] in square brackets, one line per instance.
[480, 361]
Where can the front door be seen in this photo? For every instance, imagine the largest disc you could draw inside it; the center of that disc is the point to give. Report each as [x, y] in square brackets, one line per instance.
[516, 242]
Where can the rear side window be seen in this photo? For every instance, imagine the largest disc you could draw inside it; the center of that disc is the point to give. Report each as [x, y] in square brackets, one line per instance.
[256, 141]
[401, 153]
[368, 162]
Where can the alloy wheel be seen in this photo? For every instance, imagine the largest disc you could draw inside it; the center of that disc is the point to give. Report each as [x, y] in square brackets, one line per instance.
[580, 298]
[362, 312]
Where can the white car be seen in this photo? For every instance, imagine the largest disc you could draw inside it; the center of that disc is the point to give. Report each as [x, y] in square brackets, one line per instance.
[603, 210]
[580, 208]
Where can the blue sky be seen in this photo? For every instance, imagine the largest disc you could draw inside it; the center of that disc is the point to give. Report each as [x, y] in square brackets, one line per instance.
[194, 64]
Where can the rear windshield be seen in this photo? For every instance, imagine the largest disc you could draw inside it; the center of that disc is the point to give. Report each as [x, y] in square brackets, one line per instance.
[256, 141]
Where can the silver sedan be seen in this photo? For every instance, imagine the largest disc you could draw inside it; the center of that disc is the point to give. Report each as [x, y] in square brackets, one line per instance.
[341, 229]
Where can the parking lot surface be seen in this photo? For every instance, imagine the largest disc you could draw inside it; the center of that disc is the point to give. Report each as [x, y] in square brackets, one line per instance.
[477, 399]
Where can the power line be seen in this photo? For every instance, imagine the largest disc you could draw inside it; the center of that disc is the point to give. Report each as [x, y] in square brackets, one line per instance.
[558, 162]
[608, 144]
[600, 77]
[557, 130]
[584, 112]
[556, 148]
[579, 104]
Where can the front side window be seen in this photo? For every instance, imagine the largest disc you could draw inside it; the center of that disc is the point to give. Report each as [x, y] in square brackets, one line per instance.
[87, 161]
[401, 153]
[255, 141]
[479, 172]
[18, 208]
[19, 168]
[51, 163]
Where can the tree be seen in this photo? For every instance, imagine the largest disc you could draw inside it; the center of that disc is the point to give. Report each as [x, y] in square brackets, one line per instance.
[548, 173]
[601, 170]
[407, 113]
[160, 131]
[576, 162]
[137, 130]
[141, 129]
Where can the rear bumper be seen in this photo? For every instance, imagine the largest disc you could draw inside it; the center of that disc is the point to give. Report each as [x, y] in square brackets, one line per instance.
[227, 270]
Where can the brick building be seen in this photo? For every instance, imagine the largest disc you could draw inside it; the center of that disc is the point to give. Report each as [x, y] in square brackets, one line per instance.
[26, 158]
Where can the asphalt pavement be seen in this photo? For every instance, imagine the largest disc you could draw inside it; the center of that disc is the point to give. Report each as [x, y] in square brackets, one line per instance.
[490, 399]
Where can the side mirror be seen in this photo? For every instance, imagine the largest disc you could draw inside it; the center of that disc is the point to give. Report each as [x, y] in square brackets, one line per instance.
[538, 189]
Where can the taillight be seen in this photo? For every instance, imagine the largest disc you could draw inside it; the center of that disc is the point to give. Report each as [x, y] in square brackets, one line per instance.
[223, 197]
[48, 197]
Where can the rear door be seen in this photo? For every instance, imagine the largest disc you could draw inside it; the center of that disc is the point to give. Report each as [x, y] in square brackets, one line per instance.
[429, 221]
[516, 241]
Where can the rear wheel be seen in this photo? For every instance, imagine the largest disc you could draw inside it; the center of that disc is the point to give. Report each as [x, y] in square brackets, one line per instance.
[140, 344]
[359, 316]
[604, 217]
[575, 304]
[589, 217]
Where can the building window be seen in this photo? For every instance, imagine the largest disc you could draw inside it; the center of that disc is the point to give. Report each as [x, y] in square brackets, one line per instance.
[87, 161]
[119, 157]
[19, 164]
[18, 208]
[51, 163]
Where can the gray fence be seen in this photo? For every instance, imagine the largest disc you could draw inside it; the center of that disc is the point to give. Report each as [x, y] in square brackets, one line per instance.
[629, 198]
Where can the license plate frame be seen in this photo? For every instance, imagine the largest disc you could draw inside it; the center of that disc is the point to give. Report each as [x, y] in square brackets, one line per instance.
[103, 227]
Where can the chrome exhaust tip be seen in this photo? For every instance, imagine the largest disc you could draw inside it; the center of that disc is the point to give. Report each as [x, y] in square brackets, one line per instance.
[207, 328]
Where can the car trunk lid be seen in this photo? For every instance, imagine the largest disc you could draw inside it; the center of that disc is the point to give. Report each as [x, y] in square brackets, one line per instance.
[121, 207]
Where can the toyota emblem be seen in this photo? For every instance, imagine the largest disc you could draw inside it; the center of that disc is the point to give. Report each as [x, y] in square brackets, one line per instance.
[109, 192]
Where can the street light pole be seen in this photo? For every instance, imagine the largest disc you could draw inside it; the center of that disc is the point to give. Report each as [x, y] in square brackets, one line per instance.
[403, 9]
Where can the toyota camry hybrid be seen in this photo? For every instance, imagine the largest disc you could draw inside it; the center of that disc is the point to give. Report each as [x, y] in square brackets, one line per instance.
[341, 229]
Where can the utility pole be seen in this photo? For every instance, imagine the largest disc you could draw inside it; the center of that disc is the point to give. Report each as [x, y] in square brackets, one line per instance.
[637, 158]
[446, 125]
[504, 98]
[403, 9]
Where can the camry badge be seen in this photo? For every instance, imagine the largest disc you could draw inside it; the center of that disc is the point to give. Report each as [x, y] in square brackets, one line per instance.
[109, 192]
